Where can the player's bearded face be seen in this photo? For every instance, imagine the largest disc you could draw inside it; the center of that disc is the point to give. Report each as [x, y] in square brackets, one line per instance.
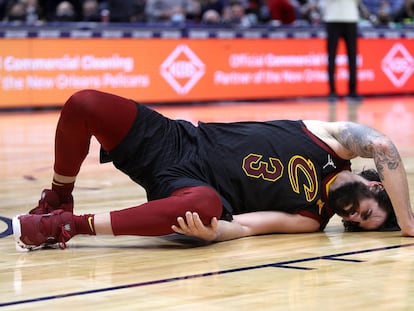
[357, 202]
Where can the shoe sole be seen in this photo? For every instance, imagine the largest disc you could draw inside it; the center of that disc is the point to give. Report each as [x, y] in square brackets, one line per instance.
[17, 233]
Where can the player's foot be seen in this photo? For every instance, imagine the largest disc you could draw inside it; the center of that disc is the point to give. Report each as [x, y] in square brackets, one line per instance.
[50, 201]
[35, 231]
[333, 98]
[354, 98]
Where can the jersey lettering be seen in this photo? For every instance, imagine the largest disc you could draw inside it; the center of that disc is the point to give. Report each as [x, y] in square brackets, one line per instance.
[297, 165]
[273, 169]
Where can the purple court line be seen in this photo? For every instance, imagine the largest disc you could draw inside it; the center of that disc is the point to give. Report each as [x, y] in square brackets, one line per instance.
[9, 230]
[282, 264]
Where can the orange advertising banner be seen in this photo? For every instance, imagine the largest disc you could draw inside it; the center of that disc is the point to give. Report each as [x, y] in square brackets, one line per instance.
[45, 71]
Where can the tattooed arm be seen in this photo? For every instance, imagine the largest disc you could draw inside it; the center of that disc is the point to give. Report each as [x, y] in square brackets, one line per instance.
[350, 140]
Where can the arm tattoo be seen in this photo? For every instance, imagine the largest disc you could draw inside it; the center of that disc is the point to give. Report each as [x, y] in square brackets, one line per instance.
[369, 143]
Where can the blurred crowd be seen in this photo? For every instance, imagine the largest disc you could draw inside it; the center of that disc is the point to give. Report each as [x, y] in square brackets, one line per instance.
[243, 13]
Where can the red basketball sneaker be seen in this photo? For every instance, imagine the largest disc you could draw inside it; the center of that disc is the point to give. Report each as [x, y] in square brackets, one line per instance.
[49, 201]
[34, 231]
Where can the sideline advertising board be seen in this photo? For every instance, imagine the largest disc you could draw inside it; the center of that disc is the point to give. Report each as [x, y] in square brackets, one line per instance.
[45, 71]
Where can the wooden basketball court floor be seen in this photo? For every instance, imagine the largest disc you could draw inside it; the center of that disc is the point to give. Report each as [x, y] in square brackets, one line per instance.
[331, 270]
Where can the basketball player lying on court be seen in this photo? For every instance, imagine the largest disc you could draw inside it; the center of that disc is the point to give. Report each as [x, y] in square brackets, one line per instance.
[218, 181]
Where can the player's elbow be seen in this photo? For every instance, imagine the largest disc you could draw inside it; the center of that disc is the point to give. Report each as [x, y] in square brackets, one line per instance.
[385, 148]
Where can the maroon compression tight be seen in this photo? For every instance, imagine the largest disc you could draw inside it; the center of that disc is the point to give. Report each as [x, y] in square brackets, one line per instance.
[109, 117]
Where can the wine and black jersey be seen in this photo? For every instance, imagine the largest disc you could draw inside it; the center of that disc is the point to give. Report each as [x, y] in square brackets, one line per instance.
[254, 166]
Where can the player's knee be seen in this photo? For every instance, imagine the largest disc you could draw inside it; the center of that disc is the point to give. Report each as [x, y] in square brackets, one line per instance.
[208, 202]
[202, 199]
[80, 102]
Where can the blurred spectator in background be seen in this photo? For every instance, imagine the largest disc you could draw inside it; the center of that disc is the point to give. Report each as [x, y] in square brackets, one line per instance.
[33, 12]
[194, 12]
[171, 11]
[91, 11]
[242, 13]
[50, 8]
[65, 12]
[211, 17]
[381, 12]
[235, 15]
[216, 5]
[282, 11]
[125, 11]
[309, 11]
[16, 12]
[405, 13]
[23, 12]
[258, 9]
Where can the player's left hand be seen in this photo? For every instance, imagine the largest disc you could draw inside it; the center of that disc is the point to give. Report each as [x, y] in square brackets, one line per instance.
[193, 226]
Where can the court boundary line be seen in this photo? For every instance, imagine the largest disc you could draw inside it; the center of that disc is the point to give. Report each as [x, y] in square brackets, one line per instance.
[283, 264]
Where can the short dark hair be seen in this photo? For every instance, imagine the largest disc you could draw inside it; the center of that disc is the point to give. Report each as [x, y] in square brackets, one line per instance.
[384, 202]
